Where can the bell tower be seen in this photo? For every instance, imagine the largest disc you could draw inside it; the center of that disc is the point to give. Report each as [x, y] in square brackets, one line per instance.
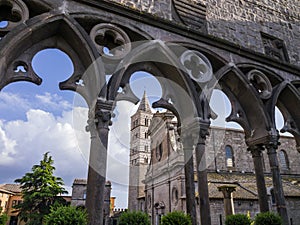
[139, 154]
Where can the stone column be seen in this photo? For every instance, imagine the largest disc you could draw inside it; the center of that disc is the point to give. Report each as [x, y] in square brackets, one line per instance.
[256, 151]
[202, 177]
[189, 177]
[99, 123]
[106, 210]
[228, 200]
[277, 183]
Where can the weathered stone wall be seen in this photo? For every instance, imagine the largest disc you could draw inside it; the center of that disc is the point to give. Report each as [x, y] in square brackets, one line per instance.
[241, 21]
[216, 143]
[293, 206]
[242, 206]
[220, 137]
[161, 8]
[78, 195]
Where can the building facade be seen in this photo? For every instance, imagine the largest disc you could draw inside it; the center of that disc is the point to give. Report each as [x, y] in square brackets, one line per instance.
[4, 198]
[12, 197]
[140, 146]
[228, 161]
[78, 199]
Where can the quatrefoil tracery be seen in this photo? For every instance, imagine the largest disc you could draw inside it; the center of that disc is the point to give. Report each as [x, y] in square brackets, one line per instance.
[111, 41]
[197, 66]
[261, 83]
[12, 13]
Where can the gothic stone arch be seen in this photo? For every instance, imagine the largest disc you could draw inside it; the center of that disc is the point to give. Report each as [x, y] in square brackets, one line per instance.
[254, 83]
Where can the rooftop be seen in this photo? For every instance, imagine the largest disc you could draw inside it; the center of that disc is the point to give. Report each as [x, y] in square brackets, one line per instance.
[14, 188]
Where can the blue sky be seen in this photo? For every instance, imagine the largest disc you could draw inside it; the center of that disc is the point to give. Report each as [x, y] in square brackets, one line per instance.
[37, 119]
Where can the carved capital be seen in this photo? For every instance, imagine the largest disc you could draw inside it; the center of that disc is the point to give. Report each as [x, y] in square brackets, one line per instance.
[103, 113]
[227, 190]
[256, 150]
[272, 144]
[203, 134]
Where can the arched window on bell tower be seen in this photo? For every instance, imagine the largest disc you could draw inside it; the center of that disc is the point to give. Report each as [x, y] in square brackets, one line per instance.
[229, 156]
[283, 159]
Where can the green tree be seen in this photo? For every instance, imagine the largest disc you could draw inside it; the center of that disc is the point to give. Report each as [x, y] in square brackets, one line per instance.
[66, 215]
[40, 190]
[267, 218]
[3, 219]
[134, 218]
[237, 219]
[176, 218]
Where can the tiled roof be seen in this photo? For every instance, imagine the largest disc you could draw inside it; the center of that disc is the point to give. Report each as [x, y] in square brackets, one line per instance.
[246, 185]
[15, 188]
[80, 181]
[5, 191]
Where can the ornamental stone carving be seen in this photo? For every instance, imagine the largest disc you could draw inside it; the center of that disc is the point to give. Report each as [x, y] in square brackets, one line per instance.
[261, 83]
[14, 12]
[197, 66]
[111, 41]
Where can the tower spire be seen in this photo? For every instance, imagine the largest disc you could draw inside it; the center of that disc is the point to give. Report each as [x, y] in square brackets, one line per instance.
[144, 104]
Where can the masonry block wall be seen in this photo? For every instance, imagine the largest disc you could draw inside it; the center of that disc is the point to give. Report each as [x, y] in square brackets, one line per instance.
[219, 138]
[262, 26]
[242, 21]
[161, 8]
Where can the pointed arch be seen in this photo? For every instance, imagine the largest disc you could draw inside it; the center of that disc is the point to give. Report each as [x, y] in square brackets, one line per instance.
[247, 108]
[287, 99]
[51, 30]
[166, 68]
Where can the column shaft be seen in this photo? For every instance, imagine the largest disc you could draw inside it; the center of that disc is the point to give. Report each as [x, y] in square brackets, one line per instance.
[98, 126]
[202, 184]
[189, 179]
[277, 184]
[256, 152]
[228, 200]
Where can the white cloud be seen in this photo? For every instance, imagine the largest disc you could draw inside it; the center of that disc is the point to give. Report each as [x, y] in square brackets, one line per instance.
[8, 100]
[8, 147]
[23, 142]
[52, 101]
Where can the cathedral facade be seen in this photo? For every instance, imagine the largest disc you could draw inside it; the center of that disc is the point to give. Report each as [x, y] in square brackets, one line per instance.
[157, 178]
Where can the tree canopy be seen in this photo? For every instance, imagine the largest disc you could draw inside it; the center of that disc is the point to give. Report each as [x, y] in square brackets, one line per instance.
[66, 215]
[40, 190]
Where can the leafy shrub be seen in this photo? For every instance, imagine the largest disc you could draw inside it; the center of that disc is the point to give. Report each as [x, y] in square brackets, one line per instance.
[237, 219]
[66, 215]
[176, 218]
[3, 219]
[134, 218]
[267, 218]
